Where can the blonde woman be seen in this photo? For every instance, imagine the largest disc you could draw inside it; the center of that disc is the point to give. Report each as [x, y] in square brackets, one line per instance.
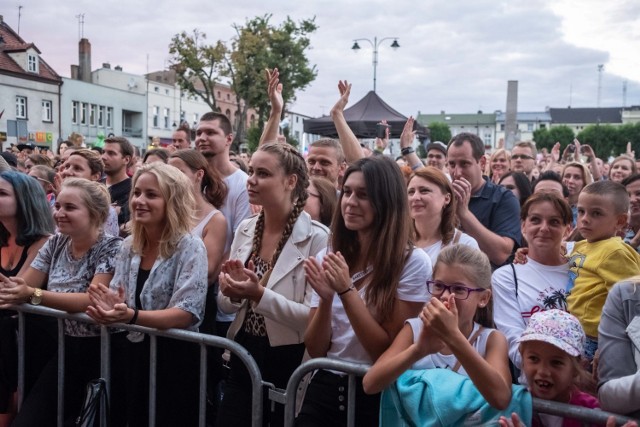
[499, 164]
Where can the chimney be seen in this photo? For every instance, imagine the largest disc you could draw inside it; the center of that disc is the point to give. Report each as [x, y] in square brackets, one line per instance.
[117, 68]
[74, 72]
[84, 60]
[106, 65]
[511, 134]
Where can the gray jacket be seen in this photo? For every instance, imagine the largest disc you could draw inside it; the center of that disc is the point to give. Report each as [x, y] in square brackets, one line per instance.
[619, 344]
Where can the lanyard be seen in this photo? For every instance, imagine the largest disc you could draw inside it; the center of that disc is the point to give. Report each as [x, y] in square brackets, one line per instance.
[360, 274]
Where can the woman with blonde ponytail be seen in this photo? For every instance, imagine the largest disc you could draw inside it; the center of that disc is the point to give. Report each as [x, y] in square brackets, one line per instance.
[264, 281]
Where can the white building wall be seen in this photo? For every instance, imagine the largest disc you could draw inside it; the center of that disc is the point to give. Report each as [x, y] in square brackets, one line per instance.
[119, 101]
[40, 132]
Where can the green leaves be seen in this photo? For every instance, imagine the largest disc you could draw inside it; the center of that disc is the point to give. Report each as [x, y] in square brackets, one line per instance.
[257, 45]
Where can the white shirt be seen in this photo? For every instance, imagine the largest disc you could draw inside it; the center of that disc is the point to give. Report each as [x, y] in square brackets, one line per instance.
[412, 287]
[434, 249]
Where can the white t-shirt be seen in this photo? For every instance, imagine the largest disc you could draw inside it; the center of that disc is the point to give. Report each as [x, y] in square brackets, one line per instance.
[447, 361]
[412, 287]
[236, 205]
[235, 210]
[540, 287]
[434, 249]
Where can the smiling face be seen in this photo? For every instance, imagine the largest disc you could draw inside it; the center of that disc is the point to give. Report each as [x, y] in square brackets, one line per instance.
[71, 214]
[426, 199]
[148, 206]
[499, 164]
[324, 161]
[620, 169]
[634, 201]
[544, 228]
[356, 208]
[549, 370]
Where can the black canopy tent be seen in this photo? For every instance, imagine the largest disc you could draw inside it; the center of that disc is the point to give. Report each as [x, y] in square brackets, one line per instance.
[362, 118]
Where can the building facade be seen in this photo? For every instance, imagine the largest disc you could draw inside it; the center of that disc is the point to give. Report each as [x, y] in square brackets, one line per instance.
[30, 95]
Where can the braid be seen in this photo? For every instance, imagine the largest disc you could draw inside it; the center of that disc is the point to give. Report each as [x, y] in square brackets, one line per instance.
[257, 235]
[288, 229]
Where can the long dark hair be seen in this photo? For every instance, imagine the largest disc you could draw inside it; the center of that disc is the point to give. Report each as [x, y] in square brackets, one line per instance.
[386, 191]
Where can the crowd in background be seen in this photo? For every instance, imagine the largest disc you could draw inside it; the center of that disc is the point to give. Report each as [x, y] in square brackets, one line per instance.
[469, 281]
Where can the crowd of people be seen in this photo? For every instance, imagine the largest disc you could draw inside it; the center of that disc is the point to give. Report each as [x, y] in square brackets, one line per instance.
[469, 282]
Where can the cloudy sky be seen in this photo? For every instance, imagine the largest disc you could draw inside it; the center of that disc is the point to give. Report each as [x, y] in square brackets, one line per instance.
[455, 55]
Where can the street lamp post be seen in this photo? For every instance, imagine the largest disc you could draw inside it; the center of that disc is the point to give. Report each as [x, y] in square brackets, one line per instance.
[375, 44]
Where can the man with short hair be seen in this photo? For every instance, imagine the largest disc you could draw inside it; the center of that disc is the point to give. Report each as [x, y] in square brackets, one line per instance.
[213, 139]
[326, 159]
[487, 212]
[182, 137]
[116, 157]
[437, 155]
[523, 157]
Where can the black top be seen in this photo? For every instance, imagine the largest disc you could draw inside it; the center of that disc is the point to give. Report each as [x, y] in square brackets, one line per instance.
[143, 275]
[18, 266]
[120, 196]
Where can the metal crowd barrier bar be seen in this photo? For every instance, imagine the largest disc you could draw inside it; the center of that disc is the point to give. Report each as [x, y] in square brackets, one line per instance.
[353, 369]
[203, 340]
[586, 415]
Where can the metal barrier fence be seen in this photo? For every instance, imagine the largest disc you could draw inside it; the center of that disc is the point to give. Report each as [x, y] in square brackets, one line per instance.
[203, 340]
[286, 397]
[586, 415]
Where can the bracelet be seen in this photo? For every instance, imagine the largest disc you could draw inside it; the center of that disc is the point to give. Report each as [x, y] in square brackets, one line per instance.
[134, 318]
[378, 150]
[407, 150]
[417, 166]
[350, 288]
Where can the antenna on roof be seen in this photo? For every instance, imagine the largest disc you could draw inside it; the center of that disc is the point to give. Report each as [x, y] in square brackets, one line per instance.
[80, 19]
[624, 93]
[19, 16]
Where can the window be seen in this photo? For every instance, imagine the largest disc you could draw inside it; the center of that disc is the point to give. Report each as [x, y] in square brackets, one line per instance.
[543, 125]
[228, 97]
[109, 117]
[47, 111]
[75, 107]
[84, 113]
[156, 89]
[156, 113]
[196, 117]
[92, 114]
[530, 127]
[183, 116]
[21, 107]
[101, 116]
[166, 91]
[501, 126]
[166, 118]
[32, 63]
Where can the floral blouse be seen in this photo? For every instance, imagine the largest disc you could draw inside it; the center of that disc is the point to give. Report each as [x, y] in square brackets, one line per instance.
[67, 274]
[179, 281]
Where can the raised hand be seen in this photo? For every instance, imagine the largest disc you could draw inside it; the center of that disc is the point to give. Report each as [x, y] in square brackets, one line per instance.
[408, 134]
[442, 317]
[345, 90]
[274, 89]
[238, 282]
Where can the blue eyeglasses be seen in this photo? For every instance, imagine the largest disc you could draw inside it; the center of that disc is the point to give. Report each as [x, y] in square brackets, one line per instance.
[459, 291]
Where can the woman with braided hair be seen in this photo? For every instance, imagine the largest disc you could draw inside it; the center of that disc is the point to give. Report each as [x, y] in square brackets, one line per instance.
[264, 280]
[368, 283]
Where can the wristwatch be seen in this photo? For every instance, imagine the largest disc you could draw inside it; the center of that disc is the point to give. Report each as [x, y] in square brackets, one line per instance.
[36, 297]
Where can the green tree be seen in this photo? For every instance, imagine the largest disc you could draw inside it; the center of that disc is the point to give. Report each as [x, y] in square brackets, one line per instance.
[198, 65]
[604, 139]
[439, 131]
[630, 132]
[253, 138]
[547, 137]
[259, 45]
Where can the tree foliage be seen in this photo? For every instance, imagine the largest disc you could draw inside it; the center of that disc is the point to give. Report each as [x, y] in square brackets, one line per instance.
[198, 65]
[257, 45]
[547, 137]
[604, 139]
[439, 131]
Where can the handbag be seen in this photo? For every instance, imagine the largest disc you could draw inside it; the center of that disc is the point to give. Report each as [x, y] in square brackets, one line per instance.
[94, 400]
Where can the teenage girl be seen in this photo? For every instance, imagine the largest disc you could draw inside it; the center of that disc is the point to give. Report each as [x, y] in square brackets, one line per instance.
[454, 330]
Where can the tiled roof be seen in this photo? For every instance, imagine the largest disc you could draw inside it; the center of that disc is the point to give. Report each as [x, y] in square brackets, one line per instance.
[11, 42]
[586, 115]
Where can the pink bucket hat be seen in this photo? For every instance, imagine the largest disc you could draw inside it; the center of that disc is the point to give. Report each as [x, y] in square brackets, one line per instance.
[557, 328]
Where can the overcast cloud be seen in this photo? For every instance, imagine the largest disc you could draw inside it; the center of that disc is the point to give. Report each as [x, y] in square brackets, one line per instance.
[455, 55]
